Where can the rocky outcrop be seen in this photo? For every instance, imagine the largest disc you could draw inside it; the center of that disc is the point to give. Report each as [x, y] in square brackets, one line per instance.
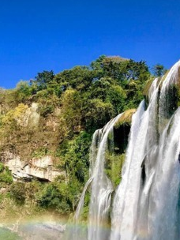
[122, 128]
[125, 118]
[41, 169]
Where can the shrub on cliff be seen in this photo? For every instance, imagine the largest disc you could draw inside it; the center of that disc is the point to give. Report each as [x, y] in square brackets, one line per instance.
[5, 175]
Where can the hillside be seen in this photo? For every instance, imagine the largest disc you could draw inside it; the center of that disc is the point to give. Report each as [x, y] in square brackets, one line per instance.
[46, 128]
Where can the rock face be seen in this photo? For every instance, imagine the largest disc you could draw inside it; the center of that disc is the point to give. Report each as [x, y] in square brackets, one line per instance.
[122, 128]
[27, 116]
[41, 169]
[33, 115]
[23, 134]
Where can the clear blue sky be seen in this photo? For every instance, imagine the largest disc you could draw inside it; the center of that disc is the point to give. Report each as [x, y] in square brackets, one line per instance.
[54, 35]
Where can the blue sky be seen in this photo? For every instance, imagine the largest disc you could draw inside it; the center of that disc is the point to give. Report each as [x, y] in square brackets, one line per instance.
[55, 35]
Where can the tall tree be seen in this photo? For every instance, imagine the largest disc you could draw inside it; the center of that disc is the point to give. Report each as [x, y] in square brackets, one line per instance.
[159, 70]
[44, 78]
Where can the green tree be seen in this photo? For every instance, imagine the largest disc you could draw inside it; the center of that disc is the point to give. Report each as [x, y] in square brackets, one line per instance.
[5, 175]
[18, 193]
[79, 78]
[43, 79]
[55, 196]
[159, 70]
[23, 91]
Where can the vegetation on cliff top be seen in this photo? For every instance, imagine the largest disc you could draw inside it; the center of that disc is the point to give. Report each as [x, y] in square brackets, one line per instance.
[71, 105]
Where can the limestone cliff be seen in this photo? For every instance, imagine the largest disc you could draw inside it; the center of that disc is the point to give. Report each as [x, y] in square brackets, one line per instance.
[41, 169]
[24, 144]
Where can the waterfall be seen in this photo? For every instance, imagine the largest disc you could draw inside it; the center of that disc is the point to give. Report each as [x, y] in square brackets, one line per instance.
[146, 203]
[101, 186]
[101, 189]
[92, 159]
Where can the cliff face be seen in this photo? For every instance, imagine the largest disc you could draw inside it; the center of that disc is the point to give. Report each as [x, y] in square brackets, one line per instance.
[31, 158]
[23, 150]
[41, 169]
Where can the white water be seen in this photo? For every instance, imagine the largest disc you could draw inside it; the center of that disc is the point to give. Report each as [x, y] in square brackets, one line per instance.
[146, 205]
[146, 201]
[101, 189]
[93, 155]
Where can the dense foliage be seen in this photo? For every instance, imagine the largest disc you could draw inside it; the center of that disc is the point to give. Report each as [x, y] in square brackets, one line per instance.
[5, 176]
[71, 105]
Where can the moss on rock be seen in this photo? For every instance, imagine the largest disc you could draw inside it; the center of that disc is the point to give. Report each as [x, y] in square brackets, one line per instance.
[125, 118]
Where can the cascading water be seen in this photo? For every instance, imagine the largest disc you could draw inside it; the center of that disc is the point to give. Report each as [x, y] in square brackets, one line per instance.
[76, 232]
[146, 202]
[101, 189]
[146, 205]
[93, 155]
[101, 186]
